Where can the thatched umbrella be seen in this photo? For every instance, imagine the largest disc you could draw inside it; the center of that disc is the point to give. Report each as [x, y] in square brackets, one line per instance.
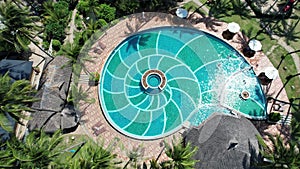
[224, 141]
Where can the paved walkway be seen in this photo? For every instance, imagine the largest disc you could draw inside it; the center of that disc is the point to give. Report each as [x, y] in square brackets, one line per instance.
[70, 34]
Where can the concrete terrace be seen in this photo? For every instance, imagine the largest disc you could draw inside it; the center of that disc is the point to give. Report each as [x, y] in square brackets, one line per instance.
[92, 114]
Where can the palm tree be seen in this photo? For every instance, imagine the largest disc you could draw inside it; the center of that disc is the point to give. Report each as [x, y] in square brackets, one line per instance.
[77, 95]
[154, 164]
[220, 8]
[135, 156]
[20, 26]
[15, 98]
[279, 155]
[6, 156]
[93, 156]
[92, 27]
[48, 12]
[37, 151]
[77, 56]
[181, 156]
[71, 51]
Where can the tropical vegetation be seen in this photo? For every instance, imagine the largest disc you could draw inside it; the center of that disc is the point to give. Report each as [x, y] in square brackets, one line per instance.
[38, 150]
[19, 28]
[15, 98]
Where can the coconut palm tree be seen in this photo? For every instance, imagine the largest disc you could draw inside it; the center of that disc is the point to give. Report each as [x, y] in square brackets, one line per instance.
[92, 27]
[20, 26]
[280, 155]
[71, 51]
[181, 156]
[135, 157]
[93, 156]
[38, 150]
[77, 56]
[77, 94]
[15, 98]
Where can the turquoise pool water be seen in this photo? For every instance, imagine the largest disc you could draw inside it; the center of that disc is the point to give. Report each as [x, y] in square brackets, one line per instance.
[153, 80]
[200, 75]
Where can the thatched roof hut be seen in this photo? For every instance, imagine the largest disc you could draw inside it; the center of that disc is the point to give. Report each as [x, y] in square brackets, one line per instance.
[224, 141]
[52, 112]
[17, 69]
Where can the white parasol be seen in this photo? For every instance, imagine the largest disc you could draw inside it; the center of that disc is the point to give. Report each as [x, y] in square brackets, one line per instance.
[271, 72]
[181, 13]
[255, 45]
[233, 27]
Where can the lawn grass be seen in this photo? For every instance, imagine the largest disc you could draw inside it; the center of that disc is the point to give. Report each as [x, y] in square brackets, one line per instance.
[190, 6]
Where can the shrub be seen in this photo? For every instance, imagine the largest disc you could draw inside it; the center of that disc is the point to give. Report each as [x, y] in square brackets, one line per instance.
[83, 7]
[61, 8]
[101, 22]
[274, 117]
[45, 45]
[95, 76]
[106, 12]
[56, 44]
[55, 30]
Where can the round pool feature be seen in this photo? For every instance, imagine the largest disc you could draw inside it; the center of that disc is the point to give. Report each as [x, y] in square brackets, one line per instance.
[245, 94]
[158, 79]
[153, 81]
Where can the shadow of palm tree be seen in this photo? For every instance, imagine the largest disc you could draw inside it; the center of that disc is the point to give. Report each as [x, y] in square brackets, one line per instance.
[137, 21]
[284, 56]
[210, 23]
[288, 31]
[243, 38]
[240, 8]
[220, 8]
[137, 41]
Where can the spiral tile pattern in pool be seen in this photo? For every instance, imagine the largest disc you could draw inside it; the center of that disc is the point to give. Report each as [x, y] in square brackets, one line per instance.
[203, 75]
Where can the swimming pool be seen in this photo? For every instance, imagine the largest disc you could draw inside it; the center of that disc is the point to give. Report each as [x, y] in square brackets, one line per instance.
[159, 79]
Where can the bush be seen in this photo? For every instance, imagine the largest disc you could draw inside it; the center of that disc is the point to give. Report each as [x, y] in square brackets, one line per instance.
[56, 44]
[94, 79]
[274, 117]
[61, 8]
[45, 45]
[83, 7]
[55, 30]
[106, 12]
[101, 23]
[95, 76]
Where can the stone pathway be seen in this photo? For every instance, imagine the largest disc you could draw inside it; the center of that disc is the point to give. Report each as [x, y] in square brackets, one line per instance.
[70, 34]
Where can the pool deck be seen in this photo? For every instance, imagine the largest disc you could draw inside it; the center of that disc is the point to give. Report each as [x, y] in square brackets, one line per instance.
[94, 123]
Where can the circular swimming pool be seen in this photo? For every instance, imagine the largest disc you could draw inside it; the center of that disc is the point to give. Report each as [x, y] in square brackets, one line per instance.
[157, 80]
